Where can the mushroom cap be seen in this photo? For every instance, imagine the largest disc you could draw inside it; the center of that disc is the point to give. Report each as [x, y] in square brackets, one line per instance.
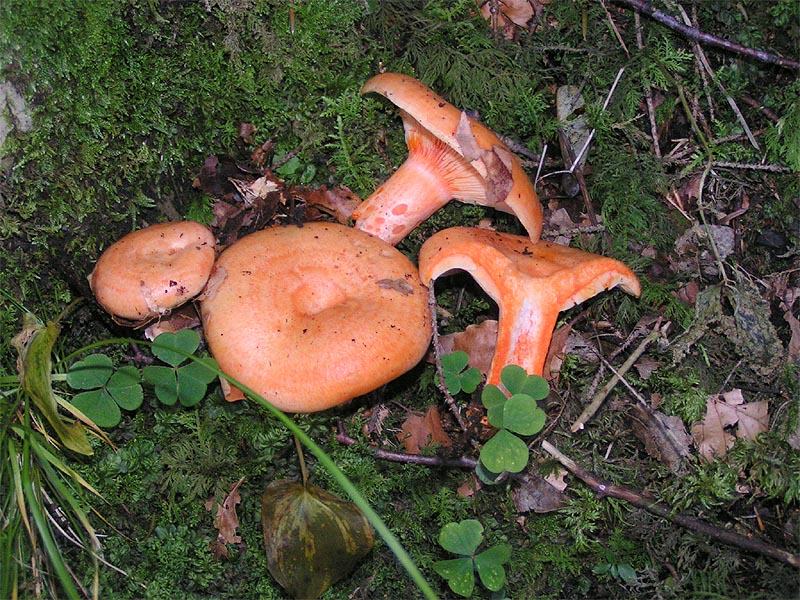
[313, 316]
[531, 282]
[430, 111]
[153, 270]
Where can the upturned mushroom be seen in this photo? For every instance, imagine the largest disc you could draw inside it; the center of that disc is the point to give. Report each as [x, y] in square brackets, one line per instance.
[451, 156]
[313, 316]
[153, 270]
[530, 282]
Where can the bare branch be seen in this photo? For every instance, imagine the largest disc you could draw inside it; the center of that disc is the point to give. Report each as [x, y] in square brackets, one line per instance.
[706, 38]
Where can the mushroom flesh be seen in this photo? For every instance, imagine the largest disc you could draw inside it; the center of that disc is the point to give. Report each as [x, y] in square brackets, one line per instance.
[531, 282]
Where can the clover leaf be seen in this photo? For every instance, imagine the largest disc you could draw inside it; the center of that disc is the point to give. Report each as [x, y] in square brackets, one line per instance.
[107, 389]
[464, 538]
[187, 383]
[515, 412]
[456, 378]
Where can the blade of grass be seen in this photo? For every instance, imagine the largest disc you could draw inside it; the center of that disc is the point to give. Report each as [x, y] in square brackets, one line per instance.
[33, 502]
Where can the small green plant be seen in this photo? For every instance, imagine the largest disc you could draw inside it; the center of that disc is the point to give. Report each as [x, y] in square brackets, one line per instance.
[457, 378]
[515, 414]
[464, 538]
[187, 383]
[614, 567]
[107, 389]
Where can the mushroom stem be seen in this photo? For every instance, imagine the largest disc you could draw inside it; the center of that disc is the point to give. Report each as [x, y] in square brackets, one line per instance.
[487, 173]
[432, 174]
[531, 282]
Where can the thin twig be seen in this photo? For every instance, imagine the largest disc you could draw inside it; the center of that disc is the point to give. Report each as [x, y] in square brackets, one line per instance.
[437, 359]
[462, 462]
[579, 157]
[662, 510]
[598, 400]
[701, 58]
[648, 91]
[706, 38]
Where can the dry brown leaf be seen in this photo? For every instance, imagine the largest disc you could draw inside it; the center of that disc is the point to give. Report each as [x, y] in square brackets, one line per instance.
[646, 366]
[338, 202]
[226, 521]
[536, 494]
[423, 431]
[665, 438]
[556, 353]
[506, 16]
[722, 412]
[478, 341]
[497, 162]
[557, 479]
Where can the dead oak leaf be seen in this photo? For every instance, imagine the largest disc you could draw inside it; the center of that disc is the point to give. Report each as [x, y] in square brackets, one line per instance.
[711, 435]
[423, 431]
[226, 521]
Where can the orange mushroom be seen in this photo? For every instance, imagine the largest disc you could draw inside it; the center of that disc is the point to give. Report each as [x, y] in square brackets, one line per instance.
[450, 156]
[153, 270]
[313, 316]
[530, 282]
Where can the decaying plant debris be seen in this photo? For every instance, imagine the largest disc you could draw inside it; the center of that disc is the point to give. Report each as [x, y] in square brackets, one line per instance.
[663, 134]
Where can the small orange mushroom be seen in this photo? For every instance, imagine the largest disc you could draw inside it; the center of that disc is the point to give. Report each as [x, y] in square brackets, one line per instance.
[153, 270]
[313, 316]
[531, 282]
[450, 156]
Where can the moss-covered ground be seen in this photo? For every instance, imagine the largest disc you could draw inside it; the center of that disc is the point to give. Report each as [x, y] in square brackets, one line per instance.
[127, 99]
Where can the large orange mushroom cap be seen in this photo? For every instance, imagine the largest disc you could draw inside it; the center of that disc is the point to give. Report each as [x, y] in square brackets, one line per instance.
[313, 316]
[450, 156]
[530, 282]
[153, 270]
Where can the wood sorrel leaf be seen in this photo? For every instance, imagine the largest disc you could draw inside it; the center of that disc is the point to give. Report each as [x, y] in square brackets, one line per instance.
[522, 415]
[99, 406]
[462, 538]
[489, 564]
[90, 373]
[459, 573]
[504, 452]
[312, 538]
[172, 348]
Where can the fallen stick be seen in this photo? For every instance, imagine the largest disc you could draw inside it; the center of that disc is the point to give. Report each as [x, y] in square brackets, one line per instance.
[706, 38]
[600, 397]
[662, 510]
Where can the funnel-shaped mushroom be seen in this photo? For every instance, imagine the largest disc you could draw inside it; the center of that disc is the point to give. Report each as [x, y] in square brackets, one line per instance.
[451, 156]
[530, 282]
[153, 270]
[313, 316]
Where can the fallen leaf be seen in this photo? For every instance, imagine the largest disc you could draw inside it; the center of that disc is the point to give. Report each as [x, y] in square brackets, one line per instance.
[557, 479]
[497, 162]
[226, 521]
[423, 431]
[397, 285]
[556, 353]
[664, 437]
[338, 202]
[478, 341]
[709, 435]
[794, 341]
[312, 538]
[506, 17]
[534, 494]
[252, 191]
[646, 366]
[725, 411]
